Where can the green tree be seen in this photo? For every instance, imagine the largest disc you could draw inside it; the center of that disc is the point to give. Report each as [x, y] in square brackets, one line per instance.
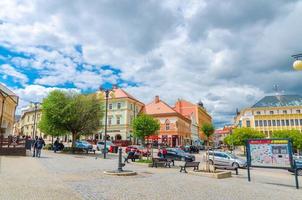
[240, 135]
[294, 135]
[71, 112]
[144, 126]
[208, 130]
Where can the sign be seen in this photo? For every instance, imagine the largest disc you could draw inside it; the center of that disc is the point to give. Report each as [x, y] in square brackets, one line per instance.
[269, 153]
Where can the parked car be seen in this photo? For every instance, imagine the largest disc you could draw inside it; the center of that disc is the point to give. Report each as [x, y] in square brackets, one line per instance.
[140, 149]
[191, 149]
[100, 145]
[299, 167]
[226, 159]
[82, 144]
[178, 154]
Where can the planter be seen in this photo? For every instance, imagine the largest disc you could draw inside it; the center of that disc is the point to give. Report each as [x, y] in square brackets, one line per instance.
[217, 174]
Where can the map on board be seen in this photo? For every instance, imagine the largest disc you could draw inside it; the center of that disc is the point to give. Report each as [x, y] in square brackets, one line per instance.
[269, 153]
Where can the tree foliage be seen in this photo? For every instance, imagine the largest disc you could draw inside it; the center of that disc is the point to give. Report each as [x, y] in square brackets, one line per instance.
[240, 135]
[71, 112]
[294, 135]
[144, 126]
[208, 130]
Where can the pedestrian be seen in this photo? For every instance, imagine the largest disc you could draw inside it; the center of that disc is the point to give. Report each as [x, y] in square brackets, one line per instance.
[34, 145]
[56, 145]
[40, 144]
[164, 152]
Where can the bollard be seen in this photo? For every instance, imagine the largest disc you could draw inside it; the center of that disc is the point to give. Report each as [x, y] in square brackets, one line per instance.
[120, 165]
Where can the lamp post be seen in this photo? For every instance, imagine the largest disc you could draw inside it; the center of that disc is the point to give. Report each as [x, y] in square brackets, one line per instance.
[107, 91]
[35, 117]
[297, 65]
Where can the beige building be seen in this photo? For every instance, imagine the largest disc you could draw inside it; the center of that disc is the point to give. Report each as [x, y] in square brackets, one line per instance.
[279, 112]
[122, 109]
[8, 104]
[28, 123]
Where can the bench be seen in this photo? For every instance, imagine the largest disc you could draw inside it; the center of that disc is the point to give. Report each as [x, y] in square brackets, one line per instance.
[166, 162]
[226, 167]
[195, 165]
[131, 157]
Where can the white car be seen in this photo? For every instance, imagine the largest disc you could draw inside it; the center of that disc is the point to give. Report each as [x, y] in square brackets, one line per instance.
[100, 145]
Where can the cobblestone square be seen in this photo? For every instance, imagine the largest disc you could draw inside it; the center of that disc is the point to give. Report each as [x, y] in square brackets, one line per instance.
[64, 176]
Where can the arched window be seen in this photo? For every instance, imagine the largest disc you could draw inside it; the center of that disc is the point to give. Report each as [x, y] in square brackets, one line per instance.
[167, 124]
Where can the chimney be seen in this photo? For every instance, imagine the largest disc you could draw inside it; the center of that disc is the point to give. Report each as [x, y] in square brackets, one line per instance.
[156, 99]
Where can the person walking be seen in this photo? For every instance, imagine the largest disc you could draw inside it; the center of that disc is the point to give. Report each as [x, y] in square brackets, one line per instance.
[56, 145]
[40, 144]
[34, 145]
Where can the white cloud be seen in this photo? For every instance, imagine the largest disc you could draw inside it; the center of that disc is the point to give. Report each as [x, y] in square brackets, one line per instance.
[7, 70]
[227, 54]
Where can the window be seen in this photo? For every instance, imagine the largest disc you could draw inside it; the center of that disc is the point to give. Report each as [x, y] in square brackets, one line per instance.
[274, 122]
[260, 123]
[256, 123]
[264, 123]
[131, 106]
[167, 124]
[283, 122]
[110, 106]
[271, 112]
[292, 122]
[287, 122]
[118, 105]
[284, 111]
[269, 122]
[296, 122]
[109, 120]
[118, 120]
[278, 122]
[300, 122]
[258, 112]
[298, 111]
[248, 123]
[27, 118]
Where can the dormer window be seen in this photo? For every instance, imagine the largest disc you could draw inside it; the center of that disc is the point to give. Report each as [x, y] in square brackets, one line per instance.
[167, 124]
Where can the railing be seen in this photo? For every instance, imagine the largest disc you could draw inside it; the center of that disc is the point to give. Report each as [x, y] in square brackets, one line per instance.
[12, 142]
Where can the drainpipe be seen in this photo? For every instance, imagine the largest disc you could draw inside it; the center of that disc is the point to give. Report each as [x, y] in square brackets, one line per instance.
[2, 110]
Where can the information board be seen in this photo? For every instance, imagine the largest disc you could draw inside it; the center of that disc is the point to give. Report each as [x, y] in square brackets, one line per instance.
[270, 153]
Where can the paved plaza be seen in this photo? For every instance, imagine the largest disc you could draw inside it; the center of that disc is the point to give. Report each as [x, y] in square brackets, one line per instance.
[63, 176]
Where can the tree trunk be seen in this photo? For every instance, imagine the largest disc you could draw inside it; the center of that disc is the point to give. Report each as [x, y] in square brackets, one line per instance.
[74, 135]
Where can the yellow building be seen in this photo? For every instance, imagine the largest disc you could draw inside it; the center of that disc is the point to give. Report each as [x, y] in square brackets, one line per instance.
[8, 104]
[280, 112]
[28, 123]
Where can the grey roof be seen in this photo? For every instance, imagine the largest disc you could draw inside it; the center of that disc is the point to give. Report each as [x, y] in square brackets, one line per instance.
[279, 101]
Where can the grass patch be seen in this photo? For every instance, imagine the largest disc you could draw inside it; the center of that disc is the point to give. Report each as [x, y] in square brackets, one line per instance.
[144, 161]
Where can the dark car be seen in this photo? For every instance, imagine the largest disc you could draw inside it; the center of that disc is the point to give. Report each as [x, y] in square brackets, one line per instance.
[299, 168]
[178, 154]
[191, 149]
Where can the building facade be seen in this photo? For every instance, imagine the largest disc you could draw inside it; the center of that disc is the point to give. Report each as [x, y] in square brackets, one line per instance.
[279, 112]
[122, 109]
[198, 115]
[29, 120]
[8, 105]
[175, 129]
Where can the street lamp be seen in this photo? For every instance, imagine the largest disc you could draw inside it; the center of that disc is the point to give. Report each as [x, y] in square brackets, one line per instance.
[35, 117]
[107, 91]
[297, 65]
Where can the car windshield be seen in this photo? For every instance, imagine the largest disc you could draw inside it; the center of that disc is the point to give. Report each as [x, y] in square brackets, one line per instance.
[231, 155]
[84, 142]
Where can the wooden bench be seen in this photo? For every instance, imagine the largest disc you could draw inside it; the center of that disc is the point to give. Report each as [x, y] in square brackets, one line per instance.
[132, 158]
[226, 167]
[195, 165]
[166, 162]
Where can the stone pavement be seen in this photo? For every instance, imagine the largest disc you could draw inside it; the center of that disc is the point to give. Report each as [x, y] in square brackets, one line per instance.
[61, 176]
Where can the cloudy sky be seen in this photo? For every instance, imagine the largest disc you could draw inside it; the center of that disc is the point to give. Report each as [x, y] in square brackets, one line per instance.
[228, 54]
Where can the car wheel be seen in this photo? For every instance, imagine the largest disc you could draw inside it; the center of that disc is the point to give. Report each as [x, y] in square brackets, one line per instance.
[235, 165]
[211, 162]
[299, 172]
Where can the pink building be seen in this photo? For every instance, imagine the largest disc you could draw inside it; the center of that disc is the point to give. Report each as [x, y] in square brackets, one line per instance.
[175, 129]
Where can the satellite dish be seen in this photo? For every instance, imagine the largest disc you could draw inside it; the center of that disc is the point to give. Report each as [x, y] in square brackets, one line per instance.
[297, 65]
